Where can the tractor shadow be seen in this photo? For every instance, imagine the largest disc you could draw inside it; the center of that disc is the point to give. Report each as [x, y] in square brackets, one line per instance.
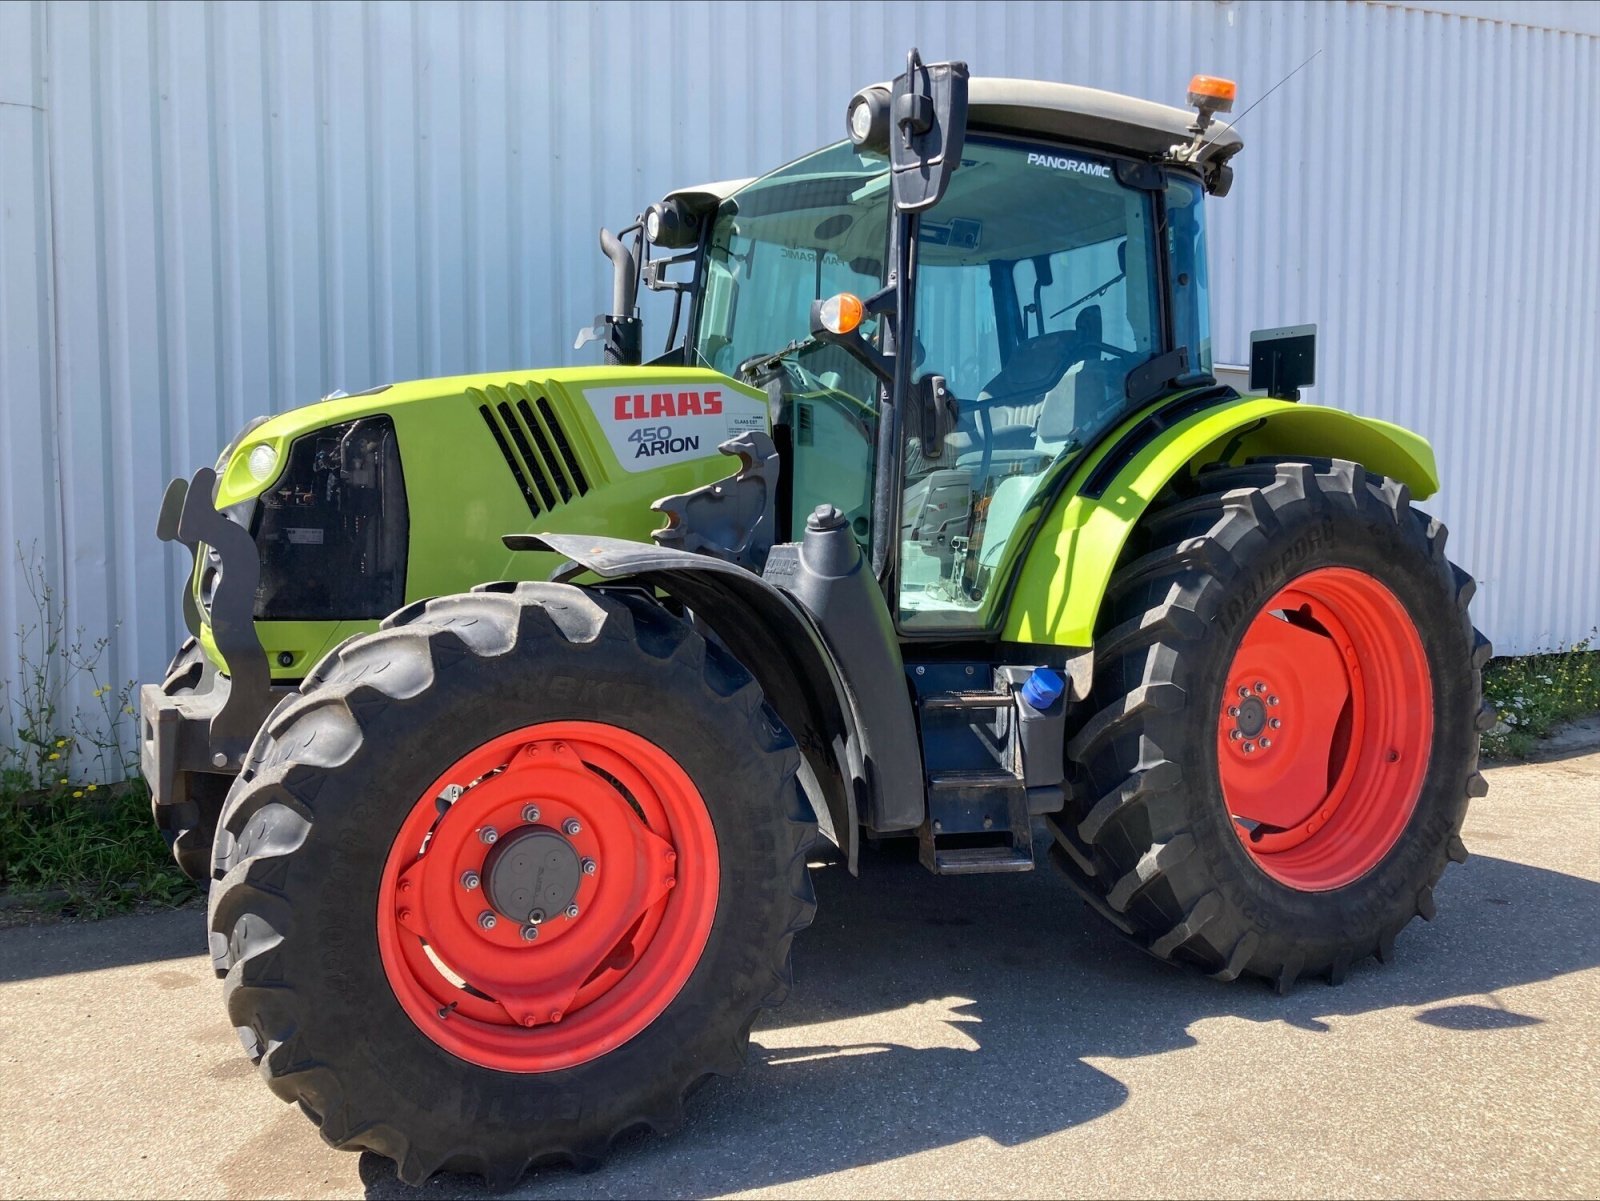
[931, 1011]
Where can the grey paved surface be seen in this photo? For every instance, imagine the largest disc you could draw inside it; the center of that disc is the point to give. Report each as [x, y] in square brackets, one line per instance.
[979, 1037]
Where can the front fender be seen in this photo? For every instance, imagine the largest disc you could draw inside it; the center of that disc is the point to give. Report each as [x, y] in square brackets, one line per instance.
[1064, 576]
[850, 715]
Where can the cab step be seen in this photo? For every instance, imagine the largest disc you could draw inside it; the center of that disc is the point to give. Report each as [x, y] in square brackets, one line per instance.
[938, 701]
[978, 821]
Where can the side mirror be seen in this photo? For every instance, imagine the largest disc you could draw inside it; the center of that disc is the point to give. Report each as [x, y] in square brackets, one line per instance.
[936, 415]
[1282, 361]
[927, 128]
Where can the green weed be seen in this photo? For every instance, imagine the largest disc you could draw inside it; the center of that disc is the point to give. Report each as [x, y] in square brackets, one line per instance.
[1535, 693]
[74, 814]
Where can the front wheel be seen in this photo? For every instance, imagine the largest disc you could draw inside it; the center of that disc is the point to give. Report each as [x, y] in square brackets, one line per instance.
[508, 878]
[1289, 703]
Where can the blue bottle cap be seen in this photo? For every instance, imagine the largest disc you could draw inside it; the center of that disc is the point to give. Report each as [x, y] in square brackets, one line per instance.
[1043, 688]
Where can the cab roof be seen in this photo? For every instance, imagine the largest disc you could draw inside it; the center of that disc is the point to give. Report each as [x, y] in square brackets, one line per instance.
[1106, 119]
[1089, 116]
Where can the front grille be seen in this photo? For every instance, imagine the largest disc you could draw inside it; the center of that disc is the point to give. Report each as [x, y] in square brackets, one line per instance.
[536, 448]
[333, 530]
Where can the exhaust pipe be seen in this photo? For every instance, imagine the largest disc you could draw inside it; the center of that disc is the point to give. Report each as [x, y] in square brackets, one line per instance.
[623, 335]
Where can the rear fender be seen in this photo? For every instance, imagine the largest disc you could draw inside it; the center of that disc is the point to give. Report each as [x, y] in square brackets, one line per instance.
[780, 645]
[1063, 579]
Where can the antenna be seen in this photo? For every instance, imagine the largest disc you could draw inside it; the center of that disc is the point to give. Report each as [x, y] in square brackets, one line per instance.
[1234, 124]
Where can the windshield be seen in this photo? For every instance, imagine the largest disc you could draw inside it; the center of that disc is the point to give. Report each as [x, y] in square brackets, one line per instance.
[808, 230]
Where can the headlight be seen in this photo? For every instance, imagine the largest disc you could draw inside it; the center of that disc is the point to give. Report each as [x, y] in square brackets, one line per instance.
[263, 461]
[868, 120]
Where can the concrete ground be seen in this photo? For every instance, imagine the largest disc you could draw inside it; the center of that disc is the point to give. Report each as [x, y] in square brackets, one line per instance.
[970, 1036]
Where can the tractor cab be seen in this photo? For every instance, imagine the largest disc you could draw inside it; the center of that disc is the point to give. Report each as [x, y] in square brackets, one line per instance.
[1057, 282]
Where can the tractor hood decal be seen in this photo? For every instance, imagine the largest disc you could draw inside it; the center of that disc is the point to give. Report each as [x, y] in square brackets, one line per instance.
[650, 425]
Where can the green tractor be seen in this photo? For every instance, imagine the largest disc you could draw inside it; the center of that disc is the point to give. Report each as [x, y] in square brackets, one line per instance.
[506, 795]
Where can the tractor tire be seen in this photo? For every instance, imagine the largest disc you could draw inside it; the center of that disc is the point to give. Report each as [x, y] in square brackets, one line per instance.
[189, 827]
[426, 1000]
[1285, 719]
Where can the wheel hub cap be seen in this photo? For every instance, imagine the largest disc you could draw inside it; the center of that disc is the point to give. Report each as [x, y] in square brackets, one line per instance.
[532, 873]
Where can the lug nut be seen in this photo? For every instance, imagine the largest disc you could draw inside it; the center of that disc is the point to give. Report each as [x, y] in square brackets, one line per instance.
[1243, 691]
[487, 920]
[1272, 700]
[589, 867]
[536, 917]
[1260, 687]
[1265, 743]
[530, 813]
[571, 827]
[488, 834]
[1275, 724]
[1235, 735]
[1248, 747]
[1233, 710]
[572, 911]
[469, 880]
[529, 933]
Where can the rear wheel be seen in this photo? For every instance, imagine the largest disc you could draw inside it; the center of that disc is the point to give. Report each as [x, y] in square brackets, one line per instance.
[508, 878]
[1288, 690]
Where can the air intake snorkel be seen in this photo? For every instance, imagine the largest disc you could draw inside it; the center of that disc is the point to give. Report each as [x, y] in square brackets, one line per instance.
[621, 328]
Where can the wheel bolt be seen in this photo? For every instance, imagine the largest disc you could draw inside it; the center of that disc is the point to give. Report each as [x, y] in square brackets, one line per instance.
[488, 834]
[487, 920]
[1243, 691]
[530, 813]
[1272, 700]
[1248, 747]
[469, 880]
[672, 881]
[536, 917]
[572, 911]
[1275, 724]
[589, 867]
[1235, 735]
[405, 915]
[1265, 743]
[571, 827]
[672, 856]
[529, 933]
[1233, 710]
[1260, 687]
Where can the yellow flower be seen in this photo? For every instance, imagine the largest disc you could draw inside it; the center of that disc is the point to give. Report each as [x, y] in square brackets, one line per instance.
[53, 755]
[92, 787]
[77, 794]
[60, 742]
[63, 779]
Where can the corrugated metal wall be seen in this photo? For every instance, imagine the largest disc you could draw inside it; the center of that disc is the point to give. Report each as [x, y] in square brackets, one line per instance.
[213, 210]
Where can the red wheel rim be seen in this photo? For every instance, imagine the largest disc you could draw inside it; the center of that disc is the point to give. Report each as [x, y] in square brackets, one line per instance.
[572, 799]
[1325, 729]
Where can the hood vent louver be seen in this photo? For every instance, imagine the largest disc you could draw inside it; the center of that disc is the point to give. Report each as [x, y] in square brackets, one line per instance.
[536, 448]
